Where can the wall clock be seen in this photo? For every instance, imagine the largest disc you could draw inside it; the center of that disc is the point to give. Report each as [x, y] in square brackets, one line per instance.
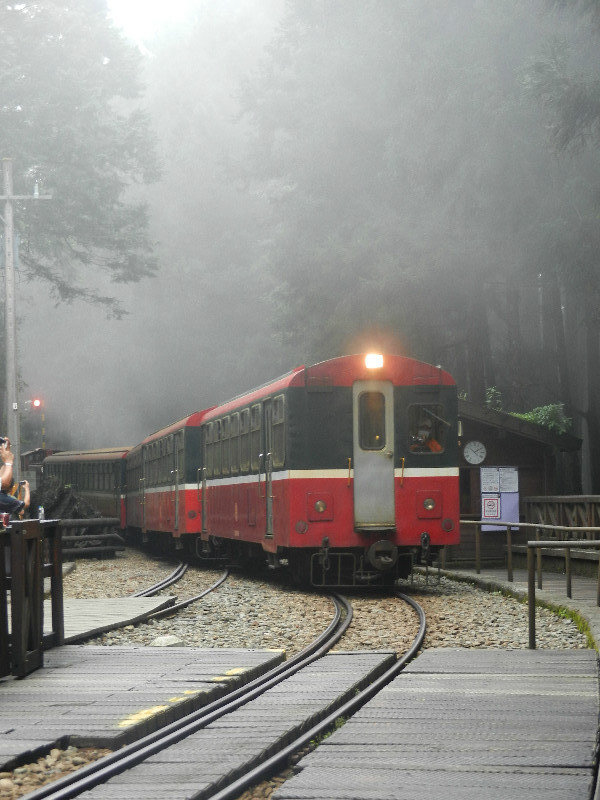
[474, 452]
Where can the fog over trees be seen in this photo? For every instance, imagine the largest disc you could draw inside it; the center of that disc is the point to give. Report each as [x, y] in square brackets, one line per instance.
[330, 176]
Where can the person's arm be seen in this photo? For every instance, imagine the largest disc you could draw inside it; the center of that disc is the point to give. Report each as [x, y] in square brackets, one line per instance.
[6, 470]
[26, 494]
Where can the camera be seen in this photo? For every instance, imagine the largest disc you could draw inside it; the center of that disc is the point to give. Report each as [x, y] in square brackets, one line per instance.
[2, 440]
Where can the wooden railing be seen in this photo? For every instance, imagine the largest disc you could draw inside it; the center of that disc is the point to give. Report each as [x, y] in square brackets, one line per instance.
[30, 551]
[561, 537]
[564, 512]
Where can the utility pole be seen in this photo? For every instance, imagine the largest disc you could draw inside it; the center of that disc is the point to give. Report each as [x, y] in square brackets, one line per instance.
[12, 401]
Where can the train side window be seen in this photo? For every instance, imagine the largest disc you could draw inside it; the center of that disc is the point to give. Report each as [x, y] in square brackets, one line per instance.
[245, 440]
[217, 449]
[427, 428]
[225, 423]
[255, 436]
[371, 420]
[278, 424]
[234, 443]
[181, 453]
[209, 434]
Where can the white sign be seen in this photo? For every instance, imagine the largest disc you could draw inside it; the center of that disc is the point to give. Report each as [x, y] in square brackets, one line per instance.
[509, 479]
[490, 479]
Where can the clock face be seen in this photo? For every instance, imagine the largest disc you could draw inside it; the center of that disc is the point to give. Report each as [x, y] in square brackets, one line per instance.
[474, 452]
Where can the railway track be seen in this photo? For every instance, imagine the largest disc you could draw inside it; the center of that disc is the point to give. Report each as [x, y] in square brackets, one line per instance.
[177, 573]
[171, 579]
[135, 756]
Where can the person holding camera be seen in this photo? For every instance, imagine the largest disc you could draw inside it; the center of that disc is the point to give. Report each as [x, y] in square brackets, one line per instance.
[10, 500]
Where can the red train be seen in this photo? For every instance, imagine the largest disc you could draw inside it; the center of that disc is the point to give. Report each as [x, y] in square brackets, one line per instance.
[343, 471]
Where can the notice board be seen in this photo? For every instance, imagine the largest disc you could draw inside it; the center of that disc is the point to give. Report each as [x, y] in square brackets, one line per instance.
[499, 495]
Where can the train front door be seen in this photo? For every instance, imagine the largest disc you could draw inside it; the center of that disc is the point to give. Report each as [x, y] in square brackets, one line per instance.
[373, 451]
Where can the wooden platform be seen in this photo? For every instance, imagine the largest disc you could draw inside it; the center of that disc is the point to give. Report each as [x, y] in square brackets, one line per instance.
[107, 696]
[463, 725]
[194, 766]
[89, 617]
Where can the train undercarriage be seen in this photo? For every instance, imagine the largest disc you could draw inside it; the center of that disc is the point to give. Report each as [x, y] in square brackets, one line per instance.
[379, 565]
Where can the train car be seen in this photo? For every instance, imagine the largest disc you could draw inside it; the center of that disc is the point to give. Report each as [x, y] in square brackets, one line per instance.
[96, 475]
[163, 484]
[344, 470]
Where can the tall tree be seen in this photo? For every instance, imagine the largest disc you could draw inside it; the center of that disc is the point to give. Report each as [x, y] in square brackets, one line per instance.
[70, 122]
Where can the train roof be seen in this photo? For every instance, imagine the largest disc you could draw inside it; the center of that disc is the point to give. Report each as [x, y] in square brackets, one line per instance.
[103, 454]
[343, 371]
[192, 421]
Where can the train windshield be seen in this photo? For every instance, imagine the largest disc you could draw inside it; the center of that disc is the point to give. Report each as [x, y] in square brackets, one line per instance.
[427, 428]
[371, 424]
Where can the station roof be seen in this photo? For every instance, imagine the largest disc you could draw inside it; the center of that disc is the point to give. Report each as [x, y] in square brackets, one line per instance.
[519, 427]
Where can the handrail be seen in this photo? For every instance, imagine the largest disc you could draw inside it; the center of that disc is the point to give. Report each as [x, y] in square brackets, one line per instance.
[509, 526]
[538, 545]
[534, 556]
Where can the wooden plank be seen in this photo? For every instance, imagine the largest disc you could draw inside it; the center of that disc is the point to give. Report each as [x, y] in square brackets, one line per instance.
[465, 724]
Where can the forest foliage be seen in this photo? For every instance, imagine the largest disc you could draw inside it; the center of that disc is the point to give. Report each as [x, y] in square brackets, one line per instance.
[336, 175]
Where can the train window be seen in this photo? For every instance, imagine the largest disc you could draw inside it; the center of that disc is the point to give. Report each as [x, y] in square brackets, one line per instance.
[225, 423]
[371, 420]
[217, 449]
[427, 428]
[255, 436]
[245, 440]
[208, 448]
[278, 424]
[181, 453]
[234, 443]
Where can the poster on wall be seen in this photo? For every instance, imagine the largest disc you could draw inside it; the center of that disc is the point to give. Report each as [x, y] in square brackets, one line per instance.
[509, 479]
[499, 496]
[490, 506]
[490, 480]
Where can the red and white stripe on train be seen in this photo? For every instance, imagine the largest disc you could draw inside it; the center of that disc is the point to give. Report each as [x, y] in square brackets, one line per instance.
[343, 471]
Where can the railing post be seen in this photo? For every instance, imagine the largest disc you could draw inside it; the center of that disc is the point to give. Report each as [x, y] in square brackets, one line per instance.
[27, 597]
[568, 570]
[531, 594]
[539, 559]
[598, 584]
[509, 566]
[53, 533]
[478, 548]
[4, 567]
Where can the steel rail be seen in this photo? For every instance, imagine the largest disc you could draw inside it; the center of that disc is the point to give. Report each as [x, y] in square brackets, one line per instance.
[279, 759]
[129, 756]
[177, 573]
[164, 612]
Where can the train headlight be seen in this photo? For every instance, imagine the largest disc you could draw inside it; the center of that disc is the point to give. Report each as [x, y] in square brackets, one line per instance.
[429, 504]
[373, 361]
[320, 506]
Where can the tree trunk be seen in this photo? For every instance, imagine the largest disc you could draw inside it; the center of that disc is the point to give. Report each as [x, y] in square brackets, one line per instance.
[592, 329]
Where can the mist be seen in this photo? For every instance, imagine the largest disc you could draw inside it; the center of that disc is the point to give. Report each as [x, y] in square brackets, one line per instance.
[336, 177]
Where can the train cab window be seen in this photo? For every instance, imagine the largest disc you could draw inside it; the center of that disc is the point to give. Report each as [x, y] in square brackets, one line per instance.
[245, 440]
[371, 421]
[255, 436]
[427, 429]
[278, 425]
[234, 443]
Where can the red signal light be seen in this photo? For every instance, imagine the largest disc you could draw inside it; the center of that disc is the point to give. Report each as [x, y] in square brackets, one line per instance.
[36, 403]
